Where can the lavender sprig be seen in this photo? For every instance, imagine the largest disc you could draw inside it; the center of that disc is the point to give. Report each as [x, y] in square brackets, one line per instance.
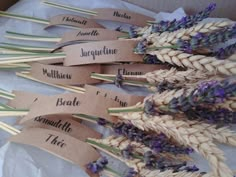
[185, 22]
[118, 80]
[202, 40]
[133, 32]
[220, 116]
[226, 52]
[158, 143]
[97, 166]
[207, 93]
[131, 173]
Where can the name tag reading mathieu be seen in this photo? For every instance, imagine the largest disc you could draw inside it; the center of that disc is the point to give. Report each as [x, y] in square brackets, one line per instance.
[101, 52]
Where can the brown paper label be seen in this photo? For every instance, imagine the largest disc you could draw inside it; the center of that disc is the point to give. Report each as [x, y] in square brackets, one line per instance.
[65, 75]
[73, 20]
[91, 34]
[131, 69]
[58, 144]
[101, 52]
[122, 99]
[23, 100]
[71, 103]
[64, 124]
[123, 16]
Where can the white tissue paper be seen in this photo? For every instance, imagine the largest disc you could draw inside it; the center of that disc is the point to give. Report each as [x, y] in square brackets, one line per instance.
[25, 161]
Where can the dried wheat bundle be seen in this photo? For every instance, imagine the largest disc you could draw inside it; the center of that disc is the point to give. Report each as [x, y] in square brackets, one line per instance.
[182, 132]
[168, 38]
[228, 104]
[198, 62]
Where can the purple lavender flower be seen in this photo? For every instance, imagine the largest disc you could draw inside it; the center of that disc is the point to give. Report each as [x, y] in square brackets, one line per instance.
[133, 32]
[151, 59]
[220, 116]
[164, 85]
[131, 173]
[141, 47]
[118, 80]
[202, 40]
[127, 152]
[208, 93]
[97, 166]
[226, 52]
[158, 143]
[185, 22]
[118, 28]
[102, 122]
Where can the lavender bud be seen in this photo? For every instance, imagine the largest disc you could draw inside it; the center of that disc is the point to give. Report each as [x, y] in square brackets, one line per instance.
[127, 153]
[226, 52]
[97, 166]
[164, 85]
[118, 28]
[151, 59]
[132, 32]
[141, 47]
[185, 22]
[118, 80]
[131, 173]
[102, 121]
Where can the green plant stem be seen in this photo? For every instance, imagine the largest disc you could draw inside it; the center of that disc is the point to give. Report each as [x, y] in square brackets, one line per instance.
[162, 47]
[127, 82]
[28, 35]
[122, 110]
[113, 171]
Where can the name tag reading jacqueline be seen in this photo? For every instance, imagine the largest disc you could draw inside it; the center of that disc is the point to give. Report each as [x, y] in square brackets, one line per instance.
[64, 75]
[123, 16]
[73, 20]
[101, 52]
[58, 144]
[90, 34]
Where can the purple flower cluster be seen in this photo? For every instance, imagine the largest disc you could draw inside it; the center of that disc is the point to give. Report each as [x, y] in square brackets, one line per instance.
[185, 22]
[158, 143]
[133, 32]
[118, 80]
[141, 47]
[131, 173]
[97, 166]
[202, 40]
[208, 93]
[223, 53]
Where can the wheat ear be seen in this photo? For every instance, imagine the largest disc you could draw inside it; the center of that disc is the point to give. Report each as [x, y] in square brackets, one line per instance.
[221, 135]
[198, 62]
[185, 34]
[228, 104]
[184, 134]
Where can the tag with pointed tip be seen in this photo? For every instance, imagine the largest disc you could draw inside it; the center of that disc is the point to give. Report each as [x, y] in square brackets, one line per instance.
[71, 103]
[64, 124]
[123, 16]
[65, 75]
[90, 34]
[101, 52]
[74, 21]
[58, 144]
[23, 100]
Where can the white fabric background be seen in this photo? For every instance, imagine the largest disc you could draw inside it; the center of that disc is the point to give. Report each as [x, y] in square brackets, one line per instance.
[24, 161]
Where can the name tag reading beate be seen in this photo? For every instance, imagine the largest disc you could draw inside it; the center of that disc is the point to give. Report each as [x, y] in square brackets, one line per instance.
[73, 20]
[101, 52]
[58, 144]
[90, 34]
[65, 75]
[123, 16]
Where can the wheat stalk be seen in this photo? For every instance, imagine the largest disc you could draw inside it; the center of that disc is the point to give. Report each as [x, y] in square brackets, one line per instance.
[198, 62]
[168, 38]
[184, 134]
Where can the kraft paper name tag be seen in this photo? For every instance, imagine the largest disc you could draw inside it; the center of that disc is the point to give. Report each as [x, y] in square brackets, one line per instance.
[73, 20]
[91, 34]
[123, 99]
[101, 52]
[123, 16]
[64, 124]
[65, 75]
[71, 103]
[58, 144]
[23, 100]
[131, 69]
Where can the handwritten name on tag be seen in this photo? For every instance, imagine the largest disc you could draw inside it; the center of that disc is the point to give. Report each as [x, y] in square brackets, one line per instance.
[90, 34]
[122, 99]
[73, 20]
[123, 16]
[71, 103]
[64, 124]
[65, 75]
[59, 144]
[101, 52]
